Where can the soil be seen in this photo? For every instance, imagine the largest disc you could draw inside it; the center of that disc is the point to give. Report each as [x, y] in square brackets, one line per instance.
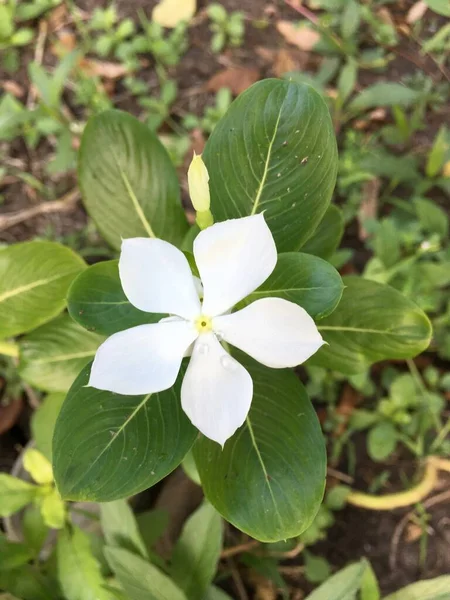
[356, 532]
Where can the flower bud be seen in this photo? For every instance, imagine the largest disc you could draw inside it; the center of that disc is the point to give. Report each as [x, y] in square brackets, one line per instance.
[198, 184]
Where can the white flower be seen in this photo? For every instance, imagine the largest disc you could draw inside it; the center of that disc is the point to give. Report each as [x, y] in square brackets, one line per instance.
[233, 258]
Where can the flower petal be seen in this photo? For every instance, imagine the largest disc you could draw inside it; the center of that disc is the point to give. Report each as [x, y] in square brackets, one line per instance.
[156, 277]
[217, 391]
[275, 332]
[233, 258]
[143, 359]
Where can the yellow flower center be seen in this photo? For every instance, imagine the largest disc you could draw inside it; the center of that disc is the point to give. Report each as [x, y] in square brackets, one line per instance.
[203, 324]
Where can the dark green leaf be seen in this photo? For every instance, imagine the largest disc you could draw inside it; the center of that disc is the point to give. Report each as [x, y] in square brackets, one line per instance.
[35, 531]
[372, 322]
[304, 279]
[140, 579]
[52, 355]
[97, 301]
[13, 554]
[197, 552]
[152, 524]
[269, 479]
[27, 583]
[128, 182]
[274, 151]
[43, 422]
[108, 446]
[327, 237]
[34, 279]
[120, 527]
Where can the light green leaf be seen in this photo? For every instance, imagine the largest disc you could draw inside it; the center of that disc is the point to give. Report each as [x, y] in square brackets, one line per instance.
[438, 152]
[190, 468]
[78, 571]
[128, 182]
[372, 322]
[108, 446]
[197, 552]
[370, 590]
[327, 237]
[38, 466]
[53, 510]
[304, 279]
[34, 279]
[344, 585]
[35, 531]
[383, 94]
[381, 441]
[120, 527]
[52, 356]
[429, 589]
[432, 218]
[350, 19]
[15, 494]
[274, 151]
[43, 422]
[97, 301]
[439, 6]
[140, 579]
[269, 479]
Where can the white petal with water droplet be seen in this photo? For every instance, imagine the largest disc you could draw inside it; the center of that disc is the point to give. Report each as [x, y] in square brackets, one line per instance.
[156, 277]
[143, 359]
[217, 391]
[233, 258]
[275, 332]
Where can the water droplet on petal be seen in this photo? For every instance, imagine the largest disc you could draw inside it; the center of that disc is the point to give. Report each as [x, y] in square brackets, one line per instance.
[203, 349]
[228, 363]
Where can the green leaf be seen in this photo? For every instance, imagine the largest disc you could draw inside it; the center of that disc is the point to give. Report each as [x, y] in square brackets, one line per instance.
[37, 466]
[97, 301]
[52, 355]
[53, 510]
[13, 554]
[152, 524]
[381, 441]
[343, 585]
[304, 279]
[43, 422]
[78, 571]
[35, 531]
[108, 446]
[120, 527]
[429, 589]
[387, 243]
[350, 19]
[274, 151]
[28, 583]
[439, 6]
[269, 479]
[383, 94]
[432, 218]
[372, 322]
[436, 157]
[327, 237]
[317, 568]
[190, 468]
[34, 279]
[197, 552]
[215, 593]
[370, 589]
[128, 182]
[140, 579]
[15, 494]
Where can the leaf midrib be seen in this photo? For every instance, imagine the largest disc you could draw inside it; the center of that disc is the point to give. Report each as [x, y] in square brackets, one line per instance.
[31, 286]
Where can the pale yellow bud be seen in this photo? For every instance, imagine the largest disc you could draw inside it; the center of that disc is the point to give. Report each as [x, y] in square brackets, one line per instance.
[198, 178]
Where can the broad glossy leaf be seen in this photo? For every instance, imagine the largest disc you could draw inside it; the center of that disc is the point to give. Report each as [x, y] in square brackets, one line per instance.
[108, 446]
[269, 479]
[327, 237]
[429, 589]
[140, 579]
[97, 301]
[52, 355]
[305, 280]
[78, 571]
[34, 279]
[344, 585]
[197, 552]
[120, 528]
[372, 322]
[43, 422]
[274, 151]
[128, 182]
